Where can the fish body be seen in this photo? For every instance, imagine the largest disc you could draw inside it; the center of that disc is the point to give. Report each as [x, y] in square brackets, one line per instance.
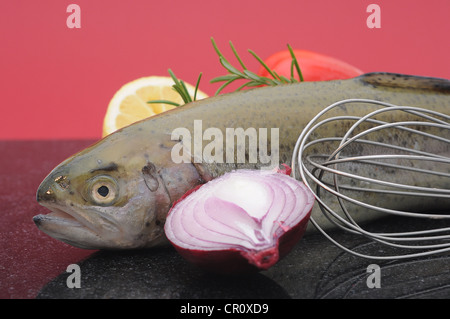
[116, 193]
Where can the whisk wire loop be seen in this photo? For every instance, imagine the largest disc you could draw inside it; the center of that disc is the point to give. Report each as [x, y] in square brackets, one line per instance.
[381, 165]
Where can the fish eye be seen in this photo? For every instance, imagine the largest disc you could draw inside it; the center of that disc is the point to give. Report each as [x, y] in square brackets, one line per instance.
[103, 190]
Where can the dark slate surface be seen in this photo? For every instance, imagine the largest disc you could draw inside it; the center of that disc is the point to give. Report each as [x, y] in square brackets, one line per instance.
[314, 269]
[33, 264]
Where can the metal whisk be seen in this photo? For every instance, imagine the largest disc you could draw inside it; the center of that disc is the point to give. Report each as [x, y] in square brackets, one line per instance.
[392, 160]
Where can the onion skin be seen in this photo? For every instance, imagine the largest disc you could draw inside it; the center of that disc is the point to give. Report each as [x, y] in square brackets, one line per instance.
[238, 260]
[235, 261]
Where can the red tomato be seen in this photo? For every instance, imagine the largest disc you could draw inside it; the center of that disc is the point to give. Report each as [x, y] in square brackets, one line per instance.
[314, 66]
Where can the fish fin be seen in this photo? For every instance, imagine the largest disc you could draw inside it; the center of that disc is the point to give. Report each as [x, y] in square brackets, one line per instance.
[395, 80]
[203, 172]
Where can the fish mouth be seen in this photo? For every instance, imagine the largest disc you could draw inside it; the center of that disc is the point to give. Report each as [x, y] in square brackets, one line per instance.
[65, 227]
[57, 216]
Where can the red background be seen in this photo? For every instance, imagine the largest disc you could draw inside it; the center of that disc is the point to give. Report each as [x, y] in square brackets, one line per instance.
[56, 82]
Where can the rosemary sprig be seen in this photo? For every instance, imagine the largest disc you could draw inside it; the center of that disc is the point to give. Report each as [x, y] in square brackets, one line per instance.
[180, 87]
[294, 63]
[251, 78]
[234, 74]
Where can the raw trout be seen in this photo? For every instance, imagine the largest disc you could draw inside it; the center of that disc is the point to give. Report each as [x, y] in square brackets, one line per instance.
[116, 193]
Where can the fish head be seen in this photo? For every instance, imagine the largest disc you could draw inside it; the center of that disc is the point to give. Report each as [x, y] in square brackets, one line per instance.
[115, 194]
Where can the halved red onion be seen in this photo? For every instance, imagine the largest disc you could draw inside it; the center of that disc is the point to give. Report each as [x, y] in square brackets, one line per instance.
[241, 221]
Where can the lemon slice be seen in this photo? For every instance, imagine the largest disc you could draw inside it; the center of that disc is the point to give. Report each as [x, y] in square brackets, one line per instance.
[129, 104]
